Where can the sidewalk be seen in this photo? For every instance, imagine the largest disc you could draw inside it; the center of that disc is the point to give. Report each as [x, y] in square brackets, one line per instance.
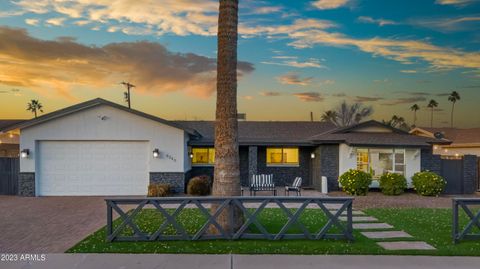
[144, 261]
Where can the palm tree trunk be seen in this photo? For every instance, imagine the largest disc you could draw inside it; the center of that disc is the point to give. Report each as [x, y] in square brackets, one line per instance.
[35, 113]
[227, 169]
[431, 119]
[415, 117]
[451, 116]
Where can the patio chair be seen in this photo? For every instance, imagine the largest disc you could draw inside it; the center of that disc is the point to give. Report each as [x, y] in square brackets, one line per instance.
[296, 187]
[262, 183]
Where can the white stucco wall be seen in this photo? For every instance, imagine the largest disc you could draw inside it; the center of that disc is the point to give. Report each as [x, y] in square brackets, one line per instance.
[348, 160]
[119, 125]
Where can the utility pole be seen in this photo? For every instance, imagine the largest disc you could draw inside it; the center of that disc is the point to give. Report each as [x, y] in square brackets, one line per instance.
[127, 93]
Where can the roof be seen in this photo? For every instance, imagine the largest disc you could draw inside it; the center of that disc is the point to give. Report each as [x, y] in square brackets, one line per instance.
[86, 105]
[4, 124]
[262, 132]
[310, 133]
[389, 137]
[456, 135]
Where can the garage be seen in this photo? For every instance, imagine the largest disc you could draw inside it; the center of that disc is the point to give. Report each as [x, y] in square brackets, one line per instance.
[92, 168]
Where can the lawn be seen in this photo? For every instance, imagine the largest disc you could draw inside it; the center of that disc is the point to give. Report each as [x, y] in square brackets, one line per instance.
[430, 225]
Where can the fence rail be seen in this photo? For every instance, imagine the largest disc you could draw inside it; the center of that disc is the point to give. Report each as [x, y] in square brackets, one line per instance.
[171, 207]
[474, 219]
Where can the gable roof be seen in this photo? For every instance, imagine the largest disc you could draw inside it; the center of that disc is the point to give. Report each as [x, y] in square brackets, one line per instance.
[4, 124]
[86, 105]
[262, 132]
[456, 135]
[392, 136]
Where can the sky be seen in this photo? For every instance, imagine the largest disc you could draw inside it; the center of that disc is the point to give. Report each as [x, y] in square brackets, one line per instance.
[295, 57]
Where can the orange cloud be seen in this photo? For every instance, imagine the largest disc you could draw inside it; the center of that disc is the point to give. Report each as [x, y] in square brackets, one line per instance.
[56, 67]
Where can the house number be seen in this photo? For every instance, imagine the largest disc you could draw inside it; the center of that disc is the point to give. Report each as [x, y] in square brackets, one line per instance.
[171, 157]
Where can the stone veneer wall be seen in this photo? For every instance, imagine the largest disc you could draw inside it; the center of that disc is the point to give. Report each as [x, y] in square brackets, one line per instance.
[26, 184]
[175, 179]
[470, 174]
[430, 161]
[329, 165]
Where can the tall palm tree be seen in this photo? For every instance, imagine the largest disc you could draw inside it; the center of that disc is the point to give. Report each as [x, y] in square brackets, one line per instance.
[34, 106]
[227, 169]
[453, 97]
[432, 104]
[414, 108]
[397, 122]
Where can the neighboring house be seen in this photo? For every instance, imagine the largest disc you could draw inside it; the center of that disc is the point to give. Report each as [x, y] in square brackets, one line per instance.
[102, 148]
[9, 141]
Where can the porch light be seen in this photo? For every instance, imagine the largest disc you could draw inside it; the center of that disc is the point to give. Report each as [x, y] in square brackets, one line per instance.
[25, 153]
[156, 153]
[435, 147]
[312, 155]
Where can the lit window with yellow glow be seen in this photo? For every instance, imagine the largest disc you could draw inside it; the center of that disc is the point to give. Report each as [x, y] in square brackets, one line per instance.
[203, 156]
[282, 156]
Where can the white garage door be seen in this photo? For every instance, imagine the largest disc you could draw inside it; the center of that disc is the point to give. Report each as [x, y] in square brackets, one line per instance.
[92, 168]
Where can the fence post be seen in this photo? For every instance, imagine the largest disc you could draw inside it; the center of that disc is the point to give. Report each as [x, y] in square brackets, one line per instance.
[455, 221]
[109, 221]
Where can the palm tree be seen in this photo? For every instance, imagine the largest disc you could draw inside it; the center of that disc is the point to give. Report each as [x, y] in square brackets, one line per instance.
[397, 122]
[34, 106]
[227, 169]
[348, 114]
[432, 104]
[329, 116]
[454, 97]
[414, 108]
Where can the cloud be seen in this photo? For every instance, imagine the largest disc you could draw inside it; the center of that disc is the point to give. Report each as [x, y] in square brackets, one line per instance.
[63, 64]
[403, 51]
[294, 79]
[33, 22]
[446, 25]
[55, 21]
[414, 93]
[339, 94]
[184, 17]
[247, 30]
[380, 22]
[408, 100]
[309, 96]
[362, 99]
[329, 4]
[292, 61]
[459, 3]
[409, 71]
[443, 94]
[270, 94]
[247, 97]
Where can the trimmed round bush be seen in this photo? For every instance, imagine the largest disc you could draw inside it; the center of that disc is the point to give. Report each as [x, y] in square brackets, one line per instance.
[392, 184]
[199, 186]
[159, 190]
[428, 183]
[355, 182]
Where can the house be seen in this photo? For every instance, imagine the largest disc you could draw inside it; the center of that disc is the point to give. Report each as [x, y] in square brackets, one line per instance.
[103, 148]
[9, 141]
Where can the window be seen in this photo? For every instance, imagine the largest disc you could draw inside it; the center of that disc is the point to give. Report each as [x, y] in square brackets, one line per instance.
[203, 156]
[380, 161]
[282, 156]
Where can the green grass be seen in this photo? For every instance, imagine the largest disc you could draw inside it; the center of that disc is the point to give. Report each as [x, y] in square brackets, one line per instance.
[430, 225]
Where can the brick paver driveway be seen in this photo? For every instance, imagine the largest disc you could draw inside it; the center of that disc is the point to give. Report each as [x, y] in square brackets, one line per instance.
[47, 224]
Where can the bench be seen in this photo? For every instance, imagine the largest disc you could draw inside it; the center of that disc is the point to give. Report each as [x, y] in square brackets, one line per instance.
[262, 183]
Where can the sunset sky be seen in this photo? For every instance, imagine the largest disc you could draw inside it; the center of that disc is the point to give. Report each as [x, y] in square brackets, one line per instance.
[295, 56]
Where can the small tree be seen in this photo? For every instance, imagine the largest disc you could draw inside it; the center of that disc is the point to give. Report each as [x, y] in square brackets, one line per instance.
[347, 114]
[454, 97]
[432, 104]
[34, 106]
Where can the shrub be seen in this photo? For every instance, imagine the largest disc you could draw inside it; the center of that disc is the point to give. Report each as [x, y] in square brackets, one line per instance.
[158, 190]
[199, 185]
[393, 184]
[355, 182]
[428, 183]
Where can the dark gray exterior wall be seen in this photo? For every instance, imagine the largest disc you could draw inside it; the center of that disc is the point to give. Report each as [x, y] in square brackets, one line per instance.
[470, 174]
[175, 179]
[329, 165]
[430, 161]
[26, 184]
[286, 174]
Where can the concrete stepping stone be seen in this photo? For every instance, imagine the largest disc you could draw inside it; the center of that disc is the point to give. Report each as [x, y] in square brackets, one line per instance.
[359, 218]
[370, 226]
[386, 234]
[354, 213]
[406, 245]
